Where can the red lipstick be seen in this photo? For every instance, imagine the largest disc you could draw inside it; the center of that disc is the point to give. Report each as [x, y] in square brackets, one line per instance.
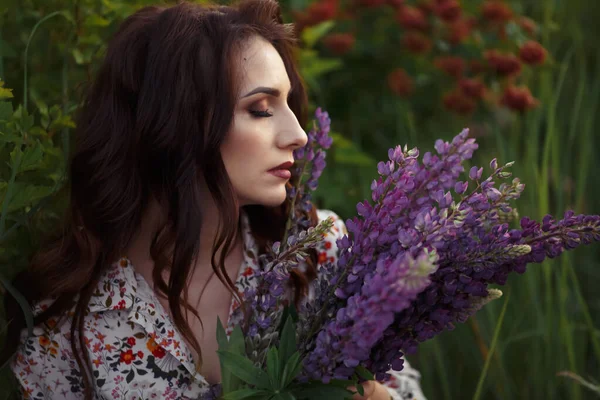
[282, 170]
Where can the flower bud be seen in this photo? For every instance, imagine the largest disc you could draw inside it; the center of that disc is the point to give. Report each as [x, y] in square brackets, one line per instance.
[532, 53]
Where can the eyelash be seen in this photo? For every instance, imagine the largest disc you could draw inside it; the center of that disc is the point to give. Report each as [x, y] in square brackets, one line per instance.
[261, 113]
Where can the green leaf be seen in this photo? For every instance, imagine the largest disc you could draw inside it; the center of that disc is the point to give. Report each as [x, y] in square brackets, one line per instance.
[10, 138]
[5, 93]
[365, 373]
[343, 382]
[322, 392]
[312, 34]
[298, 5]
[287, 341]
[360, 389]
[221, 335]
[62, 122]
[27, 312]
[244, 394]
[23, 195]
[346, 152]
[6, 111]
[229, 382]
[96, 20]
[6, 50]
[244, 369]
[78, 55]
[274, 368]
[25, 120]
[32, 156]
[291, 369]
[312, 65]
[237, 344]
[284, 396]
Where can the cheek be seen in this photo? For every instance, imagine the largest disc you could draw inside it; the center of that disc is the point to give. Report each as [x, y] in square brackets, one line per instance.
[244, 153]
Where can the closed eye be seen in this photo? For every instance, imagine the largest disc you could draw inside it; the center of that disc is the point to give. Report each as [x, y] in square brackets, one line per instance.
[261, 113]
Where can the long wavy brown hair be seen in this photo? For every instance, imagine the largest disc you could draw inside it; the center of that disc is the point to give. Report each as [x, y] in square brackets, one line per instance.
[151, 124]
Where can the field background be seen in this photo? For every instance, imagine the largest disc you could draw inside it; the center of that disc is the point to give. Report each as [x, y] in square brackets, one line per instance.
[349, 51]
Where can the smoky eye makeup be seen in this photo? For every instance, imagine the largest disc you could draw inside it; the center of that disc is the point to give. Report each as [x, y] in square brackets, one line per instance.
[261, 113]
[260, 109]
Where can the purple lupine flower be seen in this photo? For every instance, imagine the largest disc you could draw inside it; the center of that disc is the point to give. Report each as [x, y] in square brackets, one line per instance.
[271, 293]
[414, 208]
[347, 340]
[460, 286]
[309, 162]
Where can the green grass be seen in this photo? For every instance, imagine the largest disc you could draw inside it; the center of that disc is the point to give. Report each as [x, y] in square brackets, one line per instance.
[551, 322]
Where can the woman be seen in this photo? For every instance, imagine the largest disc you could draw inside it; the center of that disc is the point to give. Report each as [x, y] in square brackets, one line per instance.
[179, 175]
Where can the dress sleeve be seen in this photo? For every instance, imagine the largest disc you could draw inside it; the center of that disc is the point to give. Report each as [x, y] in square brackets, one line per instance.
[44, 367]
[403, 385]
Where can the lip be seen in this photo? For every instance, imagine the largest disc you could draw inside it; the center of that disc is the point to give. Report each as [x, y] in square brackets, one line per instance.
[282, 170]
[281, 173]
[285, 165]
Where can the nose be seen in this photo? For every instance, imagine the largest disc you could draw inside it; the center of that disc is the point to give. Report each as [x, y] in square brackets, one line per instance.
[291, 136]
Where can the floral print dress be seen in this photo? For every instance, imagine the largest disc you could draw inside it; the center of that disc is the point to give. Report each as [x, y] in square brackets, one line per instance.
[135, 349]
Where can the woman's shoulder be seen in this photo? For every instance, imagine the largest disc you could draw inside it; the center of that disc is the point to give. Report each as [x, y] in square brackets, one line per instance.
[128, 337]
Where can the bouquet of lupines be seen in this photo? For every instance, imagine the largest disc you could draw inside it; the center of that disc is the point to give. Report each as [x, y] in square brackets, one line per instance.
[421, 257]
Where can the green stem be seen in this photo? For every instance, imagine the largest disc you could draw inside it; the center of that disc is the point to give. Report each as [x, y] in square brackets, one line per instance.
[486, 366]
[550, 235]
[2, 77]
[25, 58]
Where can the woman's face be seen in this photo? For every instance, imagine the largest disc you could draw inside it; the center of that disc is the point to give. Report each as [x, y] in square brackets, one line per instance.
[265, 131]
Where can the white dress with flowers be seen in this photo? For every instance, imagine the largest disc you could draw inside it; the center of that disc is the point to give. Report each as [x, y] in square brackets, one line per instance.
[135, 349]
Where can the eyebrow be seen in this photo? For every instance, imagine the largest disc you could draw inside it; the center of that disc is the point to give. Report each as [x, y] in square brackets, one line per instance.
[267, 90]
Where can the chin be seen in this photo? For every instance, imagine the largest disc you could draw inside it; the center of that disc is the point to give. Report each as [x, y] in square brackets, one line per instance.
[273, 198]
[274, 201]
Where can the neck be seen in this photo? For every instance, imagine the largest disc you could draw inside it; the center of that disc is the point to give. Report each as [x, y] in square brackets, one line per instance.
[138, 251]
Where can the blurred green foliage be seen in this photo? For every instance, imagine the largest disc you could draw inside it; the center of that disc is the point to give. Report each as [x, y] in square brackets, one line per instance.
[551, 322]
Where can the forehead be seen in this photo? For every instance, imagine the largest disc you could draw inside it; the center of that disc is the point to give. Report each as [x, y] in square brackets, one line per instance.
[261, 65]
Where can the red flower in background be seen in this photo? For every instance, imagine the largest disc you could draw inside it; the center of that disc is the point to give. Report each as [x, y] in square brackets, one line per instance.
[459, 30]
[451, 65]
[426, 6]
[339, 43]
[395, 3]
[502, 63]
[416, 42]
[459, 103]
[412, 18]
[473, 88]
[496, 11]
[370, 3]
[400, 82]
[533, 53]
[518, 98]
[477, 66]
[320, 11]
[447, 10]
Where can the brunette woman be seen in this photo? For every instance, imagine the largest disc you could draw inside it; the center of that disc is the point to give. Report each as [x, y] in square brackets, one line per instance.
[177, 182]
